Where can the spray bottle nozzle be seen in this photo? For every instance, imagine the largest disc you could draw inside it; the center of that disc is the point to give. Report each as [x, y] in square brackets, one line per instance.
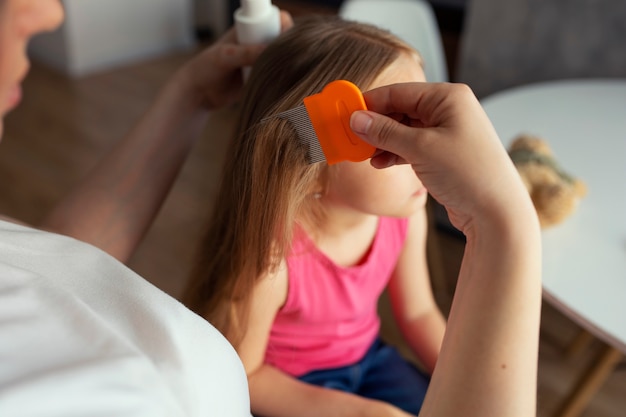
[256, 22]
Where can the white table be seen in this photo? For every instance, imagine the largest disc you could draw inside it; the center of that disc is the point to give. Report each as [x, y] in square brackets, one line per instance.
[584, 258]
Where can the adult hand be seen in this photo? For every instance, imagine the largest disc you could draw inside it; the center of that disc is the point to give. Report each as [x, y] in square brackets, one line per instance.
[443, 132]
[214, 75]
[113, 207]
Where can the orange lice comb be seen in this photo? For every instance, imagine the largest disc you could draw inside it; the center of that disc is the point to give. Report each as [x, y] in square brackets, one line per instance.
[323, 123]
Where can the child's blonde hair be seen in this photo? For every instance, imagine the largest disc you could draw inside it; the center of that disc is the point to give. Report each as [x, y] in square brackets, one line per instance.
[266, 183]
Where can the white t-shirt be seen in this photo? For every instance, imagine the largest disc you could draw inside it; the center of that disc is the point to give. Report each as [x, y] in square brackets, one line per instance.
[83, 335]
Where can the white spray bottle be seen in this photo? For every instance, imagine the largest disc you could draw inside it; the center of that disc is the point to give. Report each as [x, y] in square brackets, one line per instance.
[256, 22]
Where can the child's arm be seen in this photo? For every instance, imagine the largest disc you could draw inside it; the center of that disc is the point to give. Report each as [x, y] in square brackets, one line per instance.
[412, 300]
[276, 394]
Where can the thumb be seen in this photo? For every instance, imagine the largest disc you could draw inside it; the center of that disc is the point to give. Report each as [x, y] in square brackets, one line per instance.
[386, 134]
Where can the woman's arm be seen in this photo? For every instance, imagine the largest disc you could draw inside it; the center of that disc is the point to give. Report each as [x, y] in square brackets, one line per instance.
[412, 299]
[489, 357]
[488, 361]
[114, 205]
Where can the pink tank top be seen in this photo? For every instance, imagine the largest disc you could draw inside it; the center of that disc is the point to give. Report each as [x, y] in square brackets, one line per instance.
[330, 317]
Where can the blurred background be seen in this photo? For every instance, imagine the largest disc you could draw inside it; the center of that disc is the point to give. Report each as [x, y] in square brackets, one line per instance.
[93, 77]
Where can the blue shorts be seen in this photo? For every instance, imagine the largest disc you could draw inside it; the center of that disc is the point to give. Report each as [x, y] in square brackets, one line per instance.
[383, 374]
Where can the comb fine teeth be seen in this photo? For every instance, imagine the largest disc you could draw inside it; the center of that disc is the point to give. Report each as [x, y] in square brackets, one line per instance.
[300, 120]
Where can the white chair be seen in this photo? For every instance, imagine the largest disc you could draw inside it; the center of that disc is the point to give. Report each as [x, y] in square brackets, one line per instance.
[412, 21]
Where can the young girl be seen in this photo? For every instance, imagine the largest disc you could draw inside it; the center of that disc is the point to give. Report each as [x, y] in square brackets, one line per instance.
[297, 255]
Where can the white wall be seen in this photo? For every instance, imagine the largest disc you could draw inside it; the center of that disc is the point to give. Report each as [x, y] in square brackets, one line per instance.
[100, 34]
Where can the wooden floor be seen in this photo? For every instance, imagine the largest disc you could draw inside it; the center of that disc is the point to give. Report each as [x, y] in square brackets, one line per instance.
[65, 125]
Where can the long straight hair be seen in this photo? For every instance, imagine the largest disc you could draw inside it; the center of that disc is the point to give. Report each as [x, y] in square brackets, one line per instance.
[266, 183]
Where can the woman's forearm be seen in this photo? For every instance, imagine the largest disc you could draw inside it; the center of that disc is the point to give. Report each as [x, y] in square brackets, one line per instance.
[113, 206]
[487, 366]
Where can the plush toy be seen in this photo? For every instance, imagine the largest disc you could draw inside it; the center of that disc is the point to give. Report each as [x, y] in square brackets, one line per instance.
[554, 192]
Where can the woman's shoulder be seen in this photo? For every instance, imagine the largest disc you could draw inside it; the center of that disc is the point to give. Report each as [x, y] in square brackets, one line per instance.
[66, 287]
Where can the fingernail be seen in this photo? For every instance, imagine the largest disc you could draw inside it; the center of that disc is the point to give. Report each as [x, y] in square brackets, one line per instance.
[360, 122]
